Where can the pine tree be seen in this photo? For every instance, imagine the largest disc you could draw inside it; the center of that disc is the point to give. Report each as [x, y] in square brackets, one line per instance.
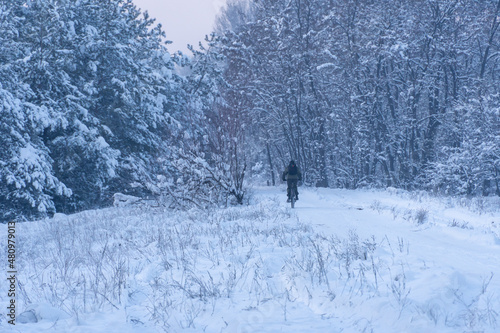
[92, 92]
[28, 184]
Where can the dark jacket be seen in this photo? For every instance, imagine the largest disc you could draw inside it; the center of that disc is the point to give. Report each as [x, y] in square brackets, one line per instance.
[288, 176]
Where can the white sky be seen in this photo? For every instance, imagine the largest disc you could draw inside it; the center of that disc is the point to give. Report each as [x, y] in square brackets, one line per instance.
[184, 21]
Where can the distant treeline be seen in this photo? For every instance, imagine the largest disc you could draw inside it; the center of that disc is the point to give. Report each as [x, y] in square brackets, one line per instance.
[360, 93]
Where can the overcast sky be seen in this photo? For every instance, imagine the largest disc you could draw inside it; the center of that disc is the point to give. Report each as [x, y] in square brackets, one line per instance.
[184, 21]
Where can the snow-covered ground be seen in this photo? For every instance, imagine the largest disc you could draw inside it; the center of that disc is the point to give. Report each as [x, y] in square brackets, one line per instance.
[342, 261]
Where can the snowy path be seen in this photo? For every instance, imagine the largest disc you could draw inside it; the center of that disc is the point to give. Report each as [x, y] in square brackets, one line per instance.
[339, 211]
[433, 243]
[449, 258]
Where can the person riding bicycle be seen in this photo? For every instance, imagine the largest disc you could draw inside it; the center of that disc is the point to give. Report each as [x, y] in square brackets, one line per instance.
[292, 175]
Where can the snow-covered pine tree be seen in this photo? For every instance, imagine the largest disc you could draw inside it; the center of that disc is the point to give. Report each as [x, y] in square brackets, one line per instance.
[93, 91]
[129, 77]
[28, 183]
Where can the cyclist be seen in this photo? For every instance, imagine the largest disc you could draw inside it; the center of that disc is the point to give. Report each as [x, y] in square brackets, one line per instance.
[292, 175]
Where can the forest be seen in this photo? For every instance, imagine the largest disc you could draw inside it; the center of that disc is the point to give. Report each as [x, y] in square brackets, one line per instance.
[361, 93]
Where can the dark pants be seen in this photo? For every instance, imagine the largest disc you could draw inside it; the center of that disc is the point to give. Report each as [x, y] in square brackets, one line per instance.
[292, 183]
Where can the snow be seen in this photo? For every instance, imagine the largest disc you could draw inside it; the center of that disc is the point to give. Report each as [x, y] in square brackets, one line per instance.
[326, 65]
[28, 154]
[342, 260]
[123, 200]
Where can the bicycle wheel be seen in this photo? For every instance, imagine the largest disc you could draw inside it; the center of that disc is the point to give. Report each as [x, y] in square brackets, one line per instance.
[292, 197]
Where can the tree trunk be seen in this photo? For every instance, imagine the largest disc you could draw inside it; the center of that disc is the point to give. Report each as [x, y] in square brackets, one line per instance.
[271, 167]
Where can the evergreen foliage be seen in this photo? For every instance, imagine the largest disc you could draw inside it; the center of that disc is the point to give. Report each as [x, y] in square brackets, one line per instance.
[88, 93]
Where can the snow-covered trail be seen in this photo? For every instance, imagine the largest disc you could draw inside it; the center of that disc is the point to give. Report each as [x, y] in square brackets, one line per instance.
[373, 213]
[461, 246]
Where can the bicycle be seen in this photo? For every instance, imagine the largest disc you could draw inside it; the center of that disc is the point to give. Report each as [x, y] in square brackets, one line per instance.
[293, 193]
